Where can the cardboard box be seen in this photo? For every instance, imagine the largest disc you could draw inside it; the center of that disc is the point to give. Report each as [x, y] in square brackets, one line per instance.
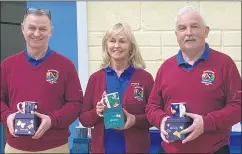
[175, 125]
[81, 145]
[26, 124]
[82, 132]
[113, 117]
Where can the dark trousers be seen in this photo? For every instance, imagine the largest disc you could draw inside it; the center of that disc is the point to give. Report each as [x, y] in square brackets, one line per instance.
[222, 150]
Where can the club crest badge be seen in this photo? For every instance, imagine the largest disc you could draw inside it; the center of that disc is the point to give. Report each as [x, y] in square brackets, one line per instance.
[52, 76]
[208, 77]
[138, 93]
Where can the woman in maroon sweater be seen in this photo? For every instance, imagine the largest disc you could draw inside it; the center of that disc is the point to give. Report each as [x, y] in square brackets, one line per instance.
[123, 72]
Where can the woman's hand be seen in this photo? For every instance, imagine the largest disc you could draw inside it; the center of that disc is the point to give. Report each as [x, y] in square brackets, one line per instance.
[100, 106]
[129, 122]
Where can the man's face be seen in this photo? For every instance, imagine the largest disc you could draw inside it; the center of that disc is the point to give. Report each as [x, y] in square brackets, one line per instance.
[191, 31]
[37, 30]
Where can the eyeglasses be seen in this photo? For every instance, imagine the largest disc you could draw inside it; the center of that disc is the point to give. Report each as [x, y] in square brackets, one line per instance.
[38, 12]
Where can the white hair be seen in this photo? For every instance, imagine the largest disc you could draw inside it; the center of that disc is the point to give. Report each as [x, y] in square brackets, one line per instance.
[187, 9]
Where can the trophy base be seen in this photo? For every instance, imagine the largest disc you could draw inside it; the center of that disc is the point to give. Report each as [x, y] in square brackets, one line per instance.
[113, 117]
[175, 125]
[26, 124]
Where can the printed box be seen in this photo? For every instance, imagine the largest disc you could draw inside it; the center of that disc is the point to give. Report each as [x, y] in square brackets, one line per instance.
[174, 126]
[26, 124]
[81, 145]
[113, 117]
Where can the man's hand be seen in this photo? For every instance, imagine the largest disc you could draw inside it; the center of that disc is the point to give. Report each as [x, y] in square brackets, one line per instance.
[44, 126]
[163, 132]
[10, 120]
[129, 122]
[196, 128]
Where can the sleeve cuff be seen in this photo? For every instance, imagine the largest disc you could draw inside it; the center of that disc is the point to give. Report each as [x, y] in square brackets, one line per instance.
[163, 118]
[158, 119]
[53, 120]
[207, 124]
[96, 116]
[5, 116]
[137, 119]
[89, 118]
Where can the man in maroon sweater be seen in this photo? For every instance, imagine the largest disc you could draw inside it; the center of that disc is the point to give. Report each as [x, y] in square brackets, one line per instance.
[44, 76]
[207, 80]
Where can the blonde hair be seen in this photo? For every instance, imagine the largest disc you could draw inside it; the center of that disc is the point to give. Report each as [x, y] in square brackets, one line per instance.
[135, 58]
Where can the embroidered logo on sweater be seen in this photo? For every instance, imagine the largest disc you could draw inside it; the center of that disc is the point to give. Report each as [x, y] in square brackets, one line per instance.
[138, 91]
[208, 77]
[52, 76]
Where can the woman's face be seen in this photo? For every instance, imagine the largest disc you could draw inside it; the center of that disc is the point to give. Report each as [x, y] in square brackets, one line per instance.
[118, 46]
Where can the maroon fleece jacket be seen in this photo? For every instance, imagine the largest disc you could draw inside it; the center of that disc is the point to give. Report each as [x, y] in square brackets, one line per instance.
[216, 97]
[136, 137]
[20, 81]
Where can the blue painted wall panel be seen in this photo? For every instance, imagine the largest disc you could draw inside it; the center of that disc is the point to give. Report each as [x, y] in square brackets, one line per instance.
[1, 139]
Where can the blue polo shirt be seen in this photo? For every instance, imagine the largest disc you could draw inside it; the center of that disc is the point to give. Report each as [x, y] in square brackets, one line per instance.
[35, 62]
[184, 64]
[114, 139]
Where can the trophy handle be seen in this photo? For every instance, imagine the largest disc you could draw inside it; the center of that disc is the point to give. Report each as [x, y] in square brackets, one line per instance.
[105, 101]
[23, 106]
[183, 110]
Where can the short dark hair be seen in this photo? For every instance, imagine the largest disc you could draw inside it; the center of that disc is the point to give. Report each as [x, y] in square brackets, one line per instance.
[38, 11]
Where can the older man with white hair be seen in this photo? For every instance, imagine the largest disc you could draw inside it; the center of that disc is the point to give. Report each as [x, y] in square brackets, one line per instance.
[207, 80]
